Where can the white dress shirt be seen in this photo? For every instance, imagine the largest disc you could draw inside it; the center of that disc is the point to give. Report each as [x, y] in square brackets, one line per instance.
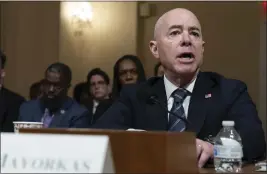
[95, 104]
[170, 87]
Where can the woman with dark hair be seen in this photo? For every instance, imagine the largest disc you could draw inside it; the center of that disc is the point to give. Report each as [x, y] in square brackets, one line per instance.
[127, 70]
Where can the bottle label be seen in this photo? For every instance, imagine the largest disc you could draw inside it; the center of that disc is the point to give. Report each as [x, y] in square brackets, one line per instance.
[228, 151]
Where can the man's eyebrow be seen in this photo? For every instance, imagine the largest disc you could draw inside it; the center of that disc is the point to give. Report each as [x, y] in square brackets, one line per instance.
[175, 26]
[180, 26]
[194, 28]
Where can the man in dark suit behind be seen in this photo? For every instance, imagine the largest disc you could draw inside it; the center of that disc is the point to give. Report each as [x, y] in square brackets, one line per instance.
[54, 108]
[9, 102]
[205, 99]
[99, 89]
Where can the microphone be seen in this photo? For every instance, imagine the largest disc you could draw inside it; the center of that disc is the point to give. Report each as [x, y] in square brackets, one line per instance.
[146, 94]
[152, 99]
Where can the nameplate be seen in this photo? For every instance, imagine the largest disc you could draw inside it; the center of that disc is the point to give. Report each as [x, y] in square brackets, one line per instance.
[52, 153]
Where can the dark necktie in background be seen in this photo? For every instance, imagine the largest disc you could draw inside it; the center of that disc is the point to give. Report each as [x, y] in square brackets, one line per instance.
[176, 124]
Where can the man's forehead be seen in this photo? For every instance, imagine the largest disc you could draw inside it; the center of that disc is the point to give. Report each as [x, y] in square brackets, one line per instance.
[183, 19]
[53, 76]
[97, 77]
[178, 17]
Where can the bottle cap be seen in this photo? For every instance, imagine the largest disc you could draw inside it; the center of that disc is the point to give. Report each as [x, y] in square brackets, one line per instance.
[228, 123]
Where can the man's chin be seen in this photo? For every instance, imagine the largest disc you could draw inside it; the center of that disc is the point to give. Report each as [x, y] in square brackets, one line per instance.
[185, 71]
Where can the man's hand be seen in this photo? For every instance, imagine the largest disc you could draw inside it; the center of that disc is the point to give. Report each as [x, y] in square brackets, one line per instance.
[204, 152]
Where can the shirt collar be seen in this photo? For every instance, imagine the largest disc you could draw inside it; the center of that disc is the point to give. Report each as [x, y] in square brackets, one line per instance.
[95, 103]
[170, 87]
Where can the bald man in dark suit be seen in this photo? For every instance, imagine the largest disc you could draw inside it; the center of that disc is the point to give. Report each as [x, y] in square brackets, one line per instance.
[204, 99]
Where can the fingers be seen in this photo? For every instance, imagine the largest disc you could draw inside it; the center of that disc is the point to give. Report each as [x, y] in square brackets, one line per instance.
[204, 152]
[199, 147]
[199, 150]
[204, 157]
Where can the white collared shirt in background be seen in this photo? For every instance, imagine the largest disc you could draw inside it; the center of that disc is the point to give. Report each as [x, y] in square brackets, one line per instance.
[95, 104]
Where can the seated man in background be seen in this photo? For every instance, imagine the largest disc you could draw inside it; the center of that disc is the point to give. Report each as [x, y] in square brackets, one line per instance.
[55, 109]
[205, 99]
[9, 102]
[158, 70]
[98, 84]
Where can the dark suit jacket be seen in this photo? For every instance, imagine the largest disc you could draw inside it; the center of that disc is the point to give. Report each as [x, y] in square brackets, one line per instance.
[9, 109]
[74, 115]
[101, 108]
[229, 101]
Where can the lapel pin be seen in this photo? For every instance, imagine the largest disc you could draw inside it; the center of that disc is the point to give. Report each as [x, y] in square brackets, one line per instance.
[208, 95]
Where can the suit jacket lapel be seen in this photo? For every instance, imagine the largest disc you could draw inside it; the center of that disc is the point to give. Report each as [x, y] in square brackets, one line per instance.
[90, 106]
[200, 100]
[61, 114]
[3, 106]
[155, 114]
[39, 113]
[57, 119]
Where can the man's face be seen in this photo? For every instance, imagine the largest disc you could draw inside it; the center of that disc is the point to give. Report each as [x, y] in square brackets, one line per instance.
[127, 72]
[54, 85]
[98, 87]
[178, 43]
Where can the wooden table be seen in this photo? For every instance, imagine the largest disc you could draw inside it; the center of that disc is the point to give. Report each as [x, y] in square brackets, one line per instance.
[134, 138]
[246, 169]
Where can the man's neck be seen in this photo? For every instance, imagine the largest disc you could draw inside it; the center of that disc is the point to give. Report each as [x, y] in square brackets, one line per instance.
[181, 80]
[99, 100]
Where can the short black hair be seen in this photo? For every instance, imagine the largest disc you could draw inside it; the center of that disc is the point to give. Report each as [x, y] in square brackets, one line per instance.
[156, 68]
[62, 69]
[2, 60]
[98, 71]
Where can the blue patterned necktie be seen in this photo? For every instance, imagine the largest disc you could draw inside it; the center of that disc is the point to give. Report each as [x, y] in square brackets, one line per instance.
[176, 124]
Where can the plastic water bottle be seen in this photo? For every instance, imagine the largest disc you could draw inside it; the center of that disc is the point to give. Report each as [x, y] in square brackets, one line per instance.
[228, 151]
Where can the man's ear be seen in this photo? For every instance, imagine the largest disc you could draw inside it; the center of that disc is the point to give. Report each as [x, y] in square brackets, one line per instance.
[154, 48]
[203, 46]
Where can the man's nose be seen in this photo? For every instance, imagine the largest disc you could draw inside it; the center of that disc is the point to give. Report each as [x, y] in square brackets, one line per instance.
[186, 41]
[97, 86]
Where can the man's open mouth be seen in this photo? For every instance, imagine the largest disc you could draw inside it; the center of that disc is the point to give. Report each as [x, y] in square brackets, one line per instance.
[186, 56]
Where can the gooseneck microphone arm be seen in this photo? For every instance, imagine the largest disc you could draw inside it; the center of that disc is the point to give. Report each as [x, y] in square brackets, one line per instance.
[153, 100]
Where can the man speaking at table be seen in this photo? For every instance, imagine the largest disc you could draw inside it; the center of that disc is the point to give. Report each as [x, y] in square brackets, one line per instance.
[204, 99]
